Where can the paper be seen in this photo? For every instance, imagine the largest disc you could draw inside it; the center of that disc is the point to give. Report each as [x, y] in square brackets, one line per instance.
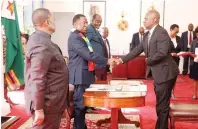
[184, 53]
[196, 53]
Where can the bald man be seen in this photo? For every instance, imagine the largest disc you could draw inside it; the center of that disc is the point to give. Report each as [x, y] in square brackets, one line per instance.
[46, 74]
[137, 38]
[156, 46]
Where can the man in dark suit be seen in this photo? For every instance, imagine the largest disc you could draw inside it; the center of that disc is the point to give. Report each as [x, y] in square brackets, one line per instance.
[102, 73]
[186, 39]
[137, 38]
[46, 74]
[97, 42]
[81, 54]
[159, 62]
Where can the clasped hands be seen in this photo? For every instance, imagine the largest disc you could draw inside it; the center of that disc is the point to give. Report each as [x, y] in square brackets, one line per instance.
[114, 62]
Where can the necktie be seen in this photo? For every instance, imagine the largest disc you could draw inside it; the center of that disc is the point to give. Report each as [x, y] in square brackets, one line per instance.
[105, 49]
[190, 38]
[149, 36]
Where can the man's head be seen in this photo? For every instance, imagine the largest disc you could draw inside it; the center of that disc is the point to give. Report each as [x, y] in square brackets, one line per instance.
[141, 30]
[105, 32]
[96, 21]
[44, 20]
[174, 30]
[196, 31]
[151, 19]
[80, 22]
[190, 27]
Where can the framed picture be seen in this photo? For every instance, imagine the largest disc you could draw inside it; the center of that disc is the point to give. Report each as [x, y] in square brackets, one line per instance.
[95, 7]
[147, 5]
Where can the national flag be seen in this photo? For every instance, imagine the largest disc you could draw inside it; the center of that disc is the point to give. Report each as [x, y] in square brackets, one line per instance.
[14, 65]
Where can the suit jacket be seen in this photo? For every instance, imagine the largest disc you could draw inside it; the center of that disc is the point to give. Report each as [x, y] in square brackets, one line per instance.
[184, 40]
[46, 75]
[135, 41]
[192, 49]
[79, 55]
[178, 48]
[96, 40]
[109, 51]
[159, 60]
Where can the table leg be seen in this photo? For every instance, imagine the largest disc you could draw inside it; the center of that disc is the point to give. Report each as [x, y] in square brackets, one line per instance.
[117, 117]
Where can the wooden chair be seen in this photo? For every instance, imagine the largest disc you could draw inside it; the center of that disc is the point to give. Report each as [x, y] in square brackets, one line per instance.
[183, 112]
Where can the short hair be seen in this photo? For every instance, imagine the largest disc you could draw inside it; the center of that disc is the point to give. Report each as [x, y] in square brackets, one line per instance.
[40, 15]
[156, 13]
[77, 17]
[196, 30]
[26, 36]
[94, 16]
[173, 26]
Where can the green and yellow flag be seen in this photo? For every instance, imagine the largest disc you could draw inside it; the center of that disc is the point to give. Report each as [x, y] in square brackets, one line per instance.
[14, 64]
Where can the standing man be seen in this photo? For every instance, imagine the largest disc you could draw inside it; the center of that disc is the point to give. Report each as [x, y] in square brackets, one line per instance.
[82, 58]
[186, 39]
[97, 42]
[164, 70]
[102, 75]
[46, 74]
[137, 38]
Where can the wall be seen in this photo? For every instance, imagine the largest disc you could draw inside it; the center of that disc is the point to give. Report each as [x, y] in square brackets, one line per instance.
[180, 12]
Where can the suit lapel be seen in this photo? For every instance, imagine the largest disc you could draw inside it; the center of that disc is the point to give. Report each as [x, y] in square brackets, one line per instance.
[146, 44]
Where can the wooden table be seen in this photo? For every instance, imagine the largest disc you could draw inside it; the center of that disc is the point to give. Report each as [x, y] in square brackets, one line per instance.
[115, 98]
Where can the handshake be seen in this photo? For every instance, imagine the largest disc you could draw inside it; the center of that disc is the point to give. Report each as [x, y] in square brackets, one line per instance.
[114, 62]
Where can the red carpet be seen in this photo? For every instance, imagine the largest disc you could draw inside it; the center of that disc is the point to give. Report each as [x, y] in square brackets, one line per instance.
[183, 92]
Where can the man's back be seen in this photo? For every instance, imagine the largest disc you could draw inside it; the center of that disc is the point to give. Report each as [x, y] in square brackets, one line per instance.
[46, 75]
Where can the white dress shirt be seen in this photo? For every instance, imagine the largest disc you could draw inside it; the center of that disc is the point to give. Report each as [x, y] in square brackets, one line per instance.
[107, 46]
[189, 38]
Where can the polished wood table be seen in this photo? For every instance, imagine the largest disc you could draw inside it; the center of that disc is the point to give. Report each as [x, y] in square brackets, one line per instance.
[115, 98]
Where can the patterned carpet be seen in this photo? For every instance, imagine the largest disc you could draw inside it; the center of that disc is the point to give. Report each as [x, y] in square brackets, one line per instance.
[91, 120]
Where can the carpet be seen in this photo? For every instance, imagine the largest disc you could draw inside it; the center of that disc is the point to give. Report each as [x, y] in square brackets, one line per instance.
[91, 120]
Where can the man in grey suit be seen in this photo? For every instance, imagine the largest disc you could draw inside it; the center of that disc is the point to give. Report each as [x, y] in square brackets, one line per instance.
[46, 74]
[98, 44]
[80, 74]
[159, 62]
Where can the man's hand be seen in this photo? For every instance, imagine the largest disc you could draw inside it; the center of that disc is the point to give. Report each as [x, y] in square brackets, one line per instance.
[111, 62]
[39, 117]
[174, 54]
[196, 59]
[118, 61]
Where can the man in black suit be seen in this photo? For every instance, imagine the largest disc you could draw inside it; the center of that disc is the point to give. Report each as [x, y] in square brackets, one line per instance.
[102, 74]
[81, 58]
[186, 39]
[164, 70]
[137, 38]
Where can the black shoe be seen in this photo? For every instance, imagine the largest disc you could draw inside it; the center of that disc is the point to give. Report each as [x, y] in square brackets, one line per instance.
[184, 73]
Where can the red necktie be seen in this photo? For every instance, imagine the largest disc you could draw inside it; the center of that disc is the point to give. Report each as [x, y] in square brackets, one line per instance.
[190, 40]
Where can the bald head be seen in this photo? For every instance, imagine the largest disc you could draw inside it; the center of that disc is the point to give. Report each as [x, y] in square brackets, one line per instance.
[40, 16]
[105, 32]
[96, 21]
[141, 30]
[151, 19]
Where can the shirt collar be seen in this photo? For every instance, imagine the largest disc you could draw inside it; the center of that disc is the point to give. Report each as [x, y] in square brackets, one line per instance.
[42, 33]
[151, 30]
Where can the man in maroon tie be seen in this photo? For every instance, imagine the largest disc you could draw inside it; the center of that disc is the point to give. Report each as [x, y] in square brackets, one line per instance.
[105, 33]
[186, 39]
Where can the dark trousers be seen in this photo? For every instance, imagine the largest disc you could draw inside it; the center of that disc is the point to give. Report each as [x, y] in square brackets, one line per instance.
[101, 74]
[186, 63]
[51, 121]
[163, 95]
[79, 108]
